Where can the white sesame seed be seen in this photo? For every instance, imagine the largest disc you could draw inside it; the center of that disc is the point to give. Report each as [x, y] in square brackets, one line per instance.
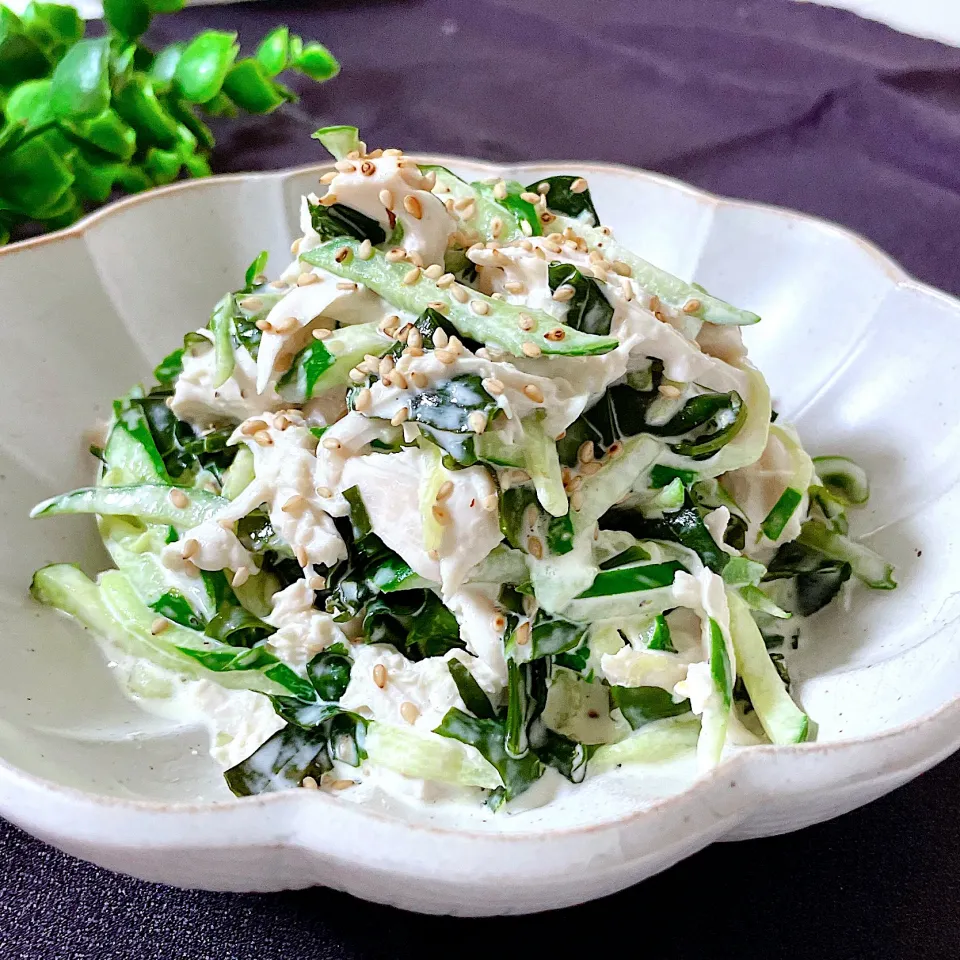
[380, 675]
[669, 391]
[251, 304]
[324, 492]
[412, 205]
[309, 783]
[578, 185]
[363, 400]
[444, 356]
[411, 276]
[393, 152]
[396, 254]
[418, 379]
[480, 307]
[514, 287]
[526, 228]
[240, 577]
[330, 443]
[263, 438]
[317, 583]
[490, 502]
[357, 375]
[429, 180]
[301, 554]
[440, 338]
[328, 199]
[329, 177]
[530, 349]
[365, 250]
[345, 166]
[500, 190]
[492, 385]
[564, 292]
[342, 254]
[190, 548]
[535, 548]
[434, 271]
[459, 293]
[445, 280]
[399, 416]
[576, 500]
[409, 711]
[496, 226]
[445, 491]
[477, 421]
[526, 322]
[692, 306]
[522, 633]
[178, 498]
[158, 626]
[440, 514]
[347, 285]
[532, 392]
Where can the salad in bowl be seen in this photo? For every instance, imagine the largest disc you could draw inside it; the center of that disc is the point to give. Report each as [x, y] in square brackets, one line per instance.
[467, 500]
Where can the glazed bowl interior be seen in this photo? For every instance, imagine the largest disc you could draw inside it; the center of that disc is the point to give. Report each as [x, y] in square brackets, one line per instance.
[863, 361]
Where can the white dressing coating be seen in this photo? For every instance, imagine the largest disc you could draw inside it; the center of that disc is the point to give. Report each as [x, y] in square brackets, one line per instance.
[426, 684]
[283, 481]
[476, 613]
[716, 523]
[217, 549]
[302, 630]
[197, 400]
[425, 234]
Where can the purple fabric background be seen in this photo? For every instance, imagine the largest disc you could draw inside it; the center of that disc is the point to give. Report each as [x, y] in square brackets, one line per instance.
[791, 104]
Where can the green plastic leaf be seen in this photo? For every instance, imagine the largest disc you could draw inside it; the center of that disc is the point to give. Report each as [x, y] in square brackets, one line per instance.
[315, 61]
[130, 18]
[80, 85]
[34, 178]
[249, 86]
[204, 64]
[21, 57]
[29, 103]
[136, 102]
[273, 52]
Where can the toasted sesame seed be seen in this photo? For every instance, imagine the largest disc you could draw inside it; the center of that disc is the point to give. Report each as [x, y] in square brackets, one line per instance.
[440, 337]
[190, 548]
[367, 168]
[178, 498]
[329, 177]
[342, 254]
[411, 276]
[363, 400]
[576, 500]
[294, 504]
[412, 352]
[393, 152]
[328, 199]
[547, 218]
[492, 385]
[564, 292]
[286, 324]
[578, 185]
[410, 175]
[330, 443]
[386, 198]
[526, 322]
[322, 333]
[158, 626]
[412, 205]
[446, 280]
[532, 392]
[500, 190]
[654, 304]
[669, 391]
[615, 449]
[398, 380]
[301, 554]
[342, 784]
[317, 583]
[414, 338]
[499, 623]
[622, 269]
[522, 634]
[535, 548]
[409, 711]
[556, 335]
[455, 346]
[530, 197]
[418, 379]
[380, 675]
[480, 307]
[344, 166]
[514, 286]
[626, 288]
[309, 783]
[324, 492]
[585, 452]
[429, 180]
[399, 416]
[530, 349]
[251, 304]
[347, 285]
[434, 271]
[357, 375]
[440, 514]
[446, 489]
[477, 421]
[396, 254]
[240, 577]
[496, 226]
[252, 426]
[459, 293]
[264, 324]
[589, 469]
[263, 438]
[386, 365]
[279, 285]
[374, 154]
[307, 279]
[692, 306]
[444, 356]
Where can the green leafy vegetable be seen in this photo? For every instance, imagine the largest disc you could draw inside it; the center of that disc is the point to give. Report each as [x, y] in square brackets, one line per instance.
[643, 705]
[415, 621]
[588, 309]
[562, 199]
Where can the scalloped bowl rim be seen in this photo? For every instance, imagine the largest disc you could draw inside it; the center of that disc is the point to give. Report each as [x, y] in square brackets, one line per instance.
[945, 715]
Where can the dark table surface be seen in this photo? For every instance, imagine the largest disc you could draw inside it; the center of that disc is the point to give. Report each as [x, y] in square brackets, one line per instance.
[790, 104]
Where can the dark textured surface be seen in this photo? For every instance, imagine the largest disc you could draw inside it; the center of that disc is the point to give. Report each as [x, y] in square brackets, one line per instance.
[791, 104]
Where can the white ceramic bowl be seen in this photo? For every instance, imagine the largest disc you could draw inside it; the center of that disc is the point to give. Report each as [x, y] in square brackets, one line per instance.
[864, 361]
